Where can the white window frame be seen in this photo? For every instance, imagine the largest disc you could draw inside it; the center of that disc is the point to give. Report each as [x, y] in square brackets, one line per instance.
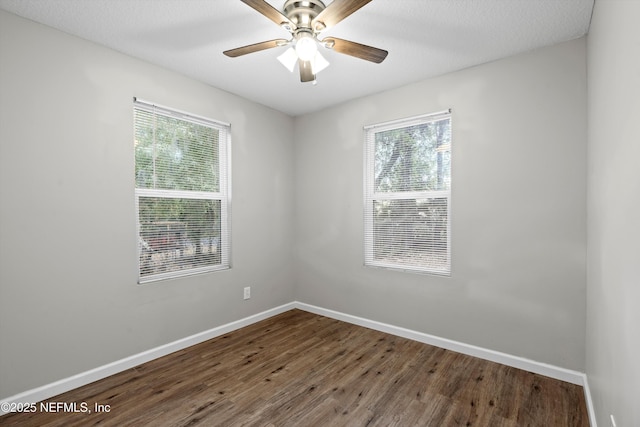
[371, 196]
[223, 195]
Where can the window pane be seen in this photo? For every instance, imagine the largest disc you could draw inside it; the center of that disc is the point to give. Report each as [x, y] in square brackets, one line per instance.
[410, 232]
[178, 234]
[173, 154]
[407, 191]
[414, 158]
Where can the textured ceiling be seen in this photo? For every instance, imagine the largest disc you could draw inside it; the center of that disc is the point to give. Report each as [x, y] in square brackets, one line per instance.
[425, 38]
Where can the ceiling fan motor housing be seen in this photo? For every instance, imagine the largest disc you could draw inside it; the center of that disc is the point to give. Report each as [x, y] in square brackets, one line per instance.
[302, 12]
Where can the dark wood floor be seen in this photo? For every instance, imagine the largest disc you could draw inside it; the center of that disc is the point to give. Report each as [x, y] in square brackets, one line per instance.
[301, 369]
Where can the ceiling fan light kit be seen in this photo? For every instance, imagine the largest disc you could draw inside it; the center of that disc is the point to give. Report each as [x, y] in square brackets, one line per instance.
[305, 20]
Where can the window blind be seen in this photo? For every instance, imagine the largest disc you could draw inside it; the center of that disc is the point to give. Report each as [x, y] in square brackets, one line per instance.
[407, 194]
[182, 192]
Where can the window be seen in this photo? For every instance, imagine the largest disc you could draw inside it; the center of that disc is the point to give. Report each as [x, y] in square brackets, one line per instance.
[182, 196]
[408, 193]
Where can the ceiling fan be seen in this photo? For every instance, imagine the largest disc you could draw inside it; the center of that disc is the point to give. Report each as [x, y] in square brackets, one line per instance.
[305, 20]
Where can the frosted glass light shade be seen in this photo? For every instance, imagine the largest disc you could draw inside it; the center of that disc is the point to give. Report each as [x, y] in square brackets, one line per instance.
[289, 59]
[319, 63]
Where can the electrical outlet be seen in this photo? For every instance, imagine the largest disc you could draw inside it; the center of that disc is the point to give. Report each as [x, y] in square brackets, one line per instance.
[613, 421]
[247, 292]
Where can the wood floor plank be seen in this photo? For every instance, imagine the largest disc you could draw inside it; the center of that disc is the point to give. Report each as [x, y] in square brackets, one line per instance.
[301, 369]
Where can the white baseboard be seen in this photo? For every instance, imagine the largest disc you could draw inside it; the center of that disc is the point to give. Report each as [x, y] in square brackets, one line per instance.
[552, 371]
[84, 378]
[590, 408]
[562, 374]
[53, 389]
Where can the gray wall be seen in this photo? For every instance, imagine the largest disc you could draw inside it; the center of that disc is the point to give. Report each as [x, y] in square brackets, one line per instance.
[613, 291]
[69, 301]
[68, 298]
[518, 209]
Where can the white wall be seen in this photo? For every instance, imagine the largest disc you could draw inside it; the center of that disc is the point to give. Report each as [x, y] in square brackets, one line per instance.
[518, 206]
[69, 301]
[613, 291]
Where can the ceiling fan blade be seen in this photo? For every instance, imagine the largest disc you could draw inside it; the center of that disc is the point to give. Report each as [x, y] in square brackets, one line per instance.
[306, 73]
[270, 12]
[336, 12]
[256, 47]
[358, 50]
